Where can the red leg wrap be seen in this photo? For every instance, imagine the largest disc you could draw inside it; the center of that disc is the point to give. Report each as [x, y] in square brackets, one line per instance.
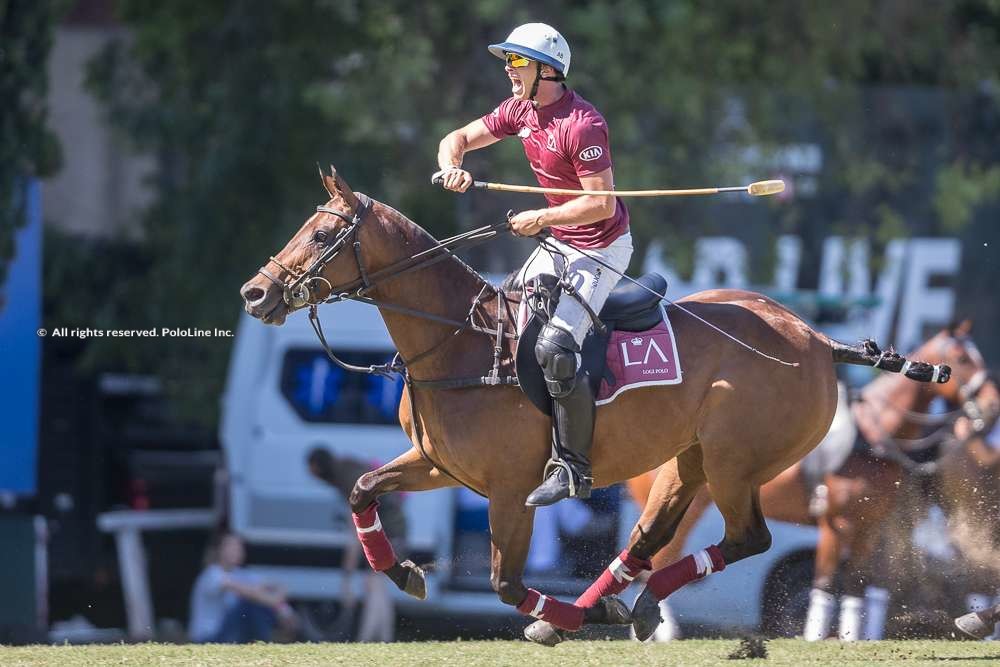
[614, 579]
[666, 580]
[560, 614]
[376, 545]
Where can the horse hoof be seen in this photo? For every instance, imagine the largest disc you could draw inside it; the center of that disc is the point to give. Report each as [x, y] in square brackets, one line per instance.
[544, 633]
[416, 583]
[615, 611]
[972, 625]
[645, 616]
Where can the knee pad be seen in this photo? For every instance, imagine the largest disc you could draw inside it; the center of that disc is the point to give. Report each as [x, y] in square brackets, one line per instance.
[556, 352]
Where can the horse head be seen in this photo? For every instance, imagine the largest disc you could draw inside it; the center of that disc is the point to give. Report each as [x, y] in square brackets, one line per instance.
[972, 389]
[312, 265]
[955, 347]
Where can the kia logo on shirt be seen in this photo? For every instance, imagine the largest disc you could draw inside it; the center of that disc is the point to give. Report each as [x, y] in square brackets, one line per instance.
[591, 153]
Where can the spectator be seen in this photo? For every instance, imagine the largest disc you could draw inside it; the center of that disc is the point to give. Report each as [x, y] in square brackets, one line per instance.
[378, 616]
[230, 605]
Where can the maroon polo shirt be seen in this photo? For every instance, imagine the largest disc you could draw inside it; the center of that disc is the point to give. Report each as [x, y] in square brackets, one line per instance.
[563, 141]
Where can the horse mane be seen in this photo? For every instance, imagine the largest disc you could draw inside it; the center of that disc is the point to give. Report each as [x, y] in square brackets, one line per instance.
[512, 284]
[420, 237]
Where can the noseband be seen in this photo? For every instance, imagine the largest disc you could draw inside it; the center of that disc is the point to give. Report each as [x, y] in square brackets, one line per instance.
[303, 289]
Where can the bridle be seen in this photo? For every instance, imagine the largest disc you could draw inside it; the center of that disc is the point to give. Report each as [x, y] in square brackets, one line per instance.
[301, 291]
[305, 286]
[304, 289]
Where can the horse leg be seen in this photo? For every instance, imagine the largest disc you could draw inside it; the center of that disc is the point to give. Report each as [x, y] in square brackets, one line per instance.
[408, 472]
[510, 535]
[668, 629]
[822, 598]
[875, 500]
[836, 532]
[674, 549]
[746, 535]
[676, 484]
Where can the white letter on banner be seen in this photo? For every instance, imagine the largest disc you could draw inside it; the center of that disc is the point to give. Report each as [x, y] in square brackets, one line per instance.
[786, 269]
[921, 305]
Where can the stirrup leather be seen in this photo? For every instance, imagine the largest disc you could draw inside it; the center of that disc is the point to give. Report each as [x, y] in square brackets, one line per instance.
[570, 474]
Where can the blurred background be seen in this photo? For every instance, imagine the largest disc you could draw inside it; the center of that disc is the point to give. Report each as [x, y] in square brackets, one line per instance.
[153, 155]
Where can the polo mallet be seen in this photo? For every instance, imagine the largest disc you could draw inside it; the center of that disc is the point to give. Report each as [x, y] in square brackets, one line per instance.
[757, 189]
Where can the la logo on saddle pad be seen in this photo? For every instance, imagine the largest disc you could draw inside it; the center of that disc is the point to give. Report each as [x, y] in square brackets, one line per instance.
[615, 362]
[640, 359]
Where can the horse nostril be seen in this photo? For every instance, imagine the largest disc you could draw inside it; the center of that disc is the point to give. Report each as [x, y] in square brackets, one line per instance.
[253, 295]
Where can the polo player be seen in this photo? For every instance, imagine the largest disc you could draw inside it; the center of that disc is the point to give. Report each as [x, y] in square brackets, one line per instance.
[566, 142]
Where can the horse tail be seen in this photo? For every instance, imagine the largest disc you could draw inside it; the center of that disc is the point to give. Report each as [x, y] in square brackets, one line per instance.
[867, 353]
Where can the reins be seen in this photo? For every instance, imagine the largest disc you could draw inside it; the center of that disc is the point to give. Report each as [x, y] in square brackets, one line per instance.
[545, 242]
[300, 292]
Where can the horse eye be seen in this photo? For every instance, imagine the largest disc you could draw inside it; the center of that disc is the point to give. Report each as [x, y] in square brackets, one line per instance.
[319, 236]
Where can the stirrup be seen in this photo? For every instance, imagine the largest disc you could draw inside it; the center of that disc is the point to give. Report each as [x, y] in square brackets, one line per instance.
[571, 474]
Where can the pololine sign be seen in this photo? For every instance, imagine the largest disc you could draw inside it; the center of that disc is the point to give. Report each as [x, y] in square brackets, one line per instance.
[907, 294]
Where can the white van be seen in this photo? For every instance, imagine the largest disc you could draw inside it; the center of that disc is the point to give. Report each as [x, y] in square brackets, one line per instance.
[284, 397]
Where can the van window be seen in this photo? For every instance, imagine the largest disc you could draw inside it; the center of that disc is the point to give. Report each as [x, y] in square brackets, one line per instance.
[320, 391]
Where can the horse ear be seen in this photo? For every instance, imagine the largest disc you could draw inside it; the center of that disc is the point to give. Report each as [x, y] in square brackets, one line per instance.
[336, 187]
[327, 183]
[343, 188]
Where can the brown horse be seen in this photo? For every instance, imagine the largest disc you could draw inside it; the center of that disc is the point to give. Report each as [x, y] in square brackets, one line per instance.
[736, 421]
[862, 494]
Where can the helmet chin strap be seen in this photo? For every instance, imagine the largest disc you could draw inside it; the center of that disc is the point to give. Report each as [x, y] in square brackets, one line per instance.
[538, 77]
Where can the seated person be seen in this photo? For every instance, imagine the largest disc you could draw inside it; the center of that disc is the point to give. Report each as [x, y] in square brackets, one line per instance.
[230, 605]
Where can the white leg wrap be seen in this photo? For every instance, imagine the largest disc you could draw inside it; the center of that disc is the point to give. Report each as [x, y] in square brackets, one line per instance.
[619, 571]
[851, 608]
[876, 608]
[537, 611]
[375, 527]
[819, 619]
[703, 563]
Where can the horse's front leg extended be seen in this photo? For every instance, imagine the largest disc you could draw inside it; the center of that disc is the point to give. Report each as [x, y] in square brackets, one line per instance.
[407, 472]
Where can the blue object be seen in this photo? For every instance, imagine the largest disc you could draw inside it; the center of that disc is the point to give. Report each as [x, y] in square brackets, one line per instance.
[20, 352]
[319, 391]
[245, 623]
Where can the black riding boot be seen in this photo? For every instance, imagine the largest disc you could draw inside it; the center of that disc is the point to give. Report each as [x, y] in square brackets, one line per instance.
[573, 429]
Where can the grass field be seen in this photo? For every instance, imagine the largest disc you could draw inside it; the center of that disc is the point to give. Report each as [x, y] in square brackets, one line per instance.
[483, 653]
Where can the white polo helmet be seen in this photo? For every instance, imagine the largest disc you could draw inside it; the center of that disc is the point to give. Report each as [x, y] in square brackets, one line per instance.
[538, 41]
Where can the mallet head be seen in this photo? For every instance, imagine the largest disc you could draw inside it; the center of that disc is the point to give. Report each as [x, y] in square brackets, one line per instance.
[761, 188]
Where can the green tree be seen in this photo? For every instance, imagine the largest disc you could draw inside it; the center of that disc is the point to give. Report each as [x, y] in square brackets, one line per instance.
[27, 147]
[239, 99]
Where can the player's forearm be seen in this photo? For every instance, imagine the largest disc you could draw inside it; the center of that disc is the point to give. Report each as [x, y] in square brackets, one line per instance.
[585, 210]
[452, 149]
